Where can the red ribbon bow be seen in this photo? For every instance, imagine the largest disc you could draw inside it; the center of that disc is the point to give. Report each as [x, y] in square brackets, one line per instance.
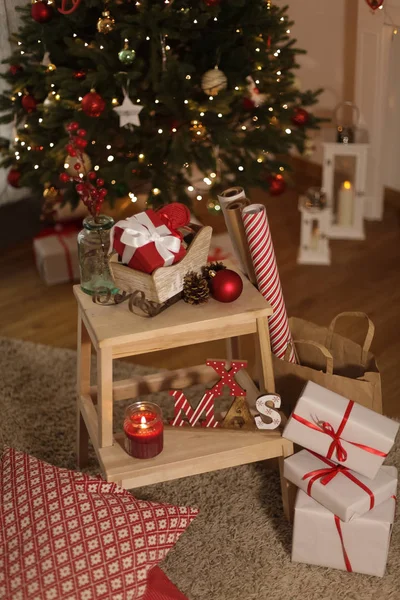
[326, 475]
[336, 444]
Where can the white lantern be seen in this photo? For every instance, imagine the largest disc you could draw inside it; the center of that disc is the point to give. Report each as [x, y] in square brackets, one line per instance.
[314, 242]
[344, 178]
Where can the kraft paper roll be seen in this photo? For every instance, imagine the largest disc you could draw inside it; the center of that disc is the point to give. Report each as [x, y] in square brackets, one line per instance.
[258, 235]
[226, 197]
[230, 195]
[233, 218]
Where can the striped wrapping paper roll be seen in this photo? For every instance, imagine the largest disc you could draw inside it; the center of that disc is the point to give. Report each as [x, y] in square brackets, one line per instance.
[263, 256]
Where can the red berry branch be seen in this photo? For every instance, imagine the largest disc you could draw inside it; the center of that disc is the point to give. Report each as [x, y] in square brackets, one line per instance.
[88, 185]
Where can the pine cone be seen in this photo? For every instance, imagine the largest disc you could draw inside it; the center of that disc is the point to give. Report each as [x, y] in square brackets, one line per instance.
[195, 288]
[214, 266]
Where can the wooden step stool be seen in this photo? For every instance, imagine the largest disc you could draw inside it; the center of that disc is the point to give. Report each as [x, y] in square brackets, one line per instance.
[115, 332]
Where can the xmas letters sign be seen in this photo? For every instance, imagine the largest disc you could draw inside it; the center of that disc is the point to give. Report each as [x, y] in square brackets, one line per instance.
[238, 416]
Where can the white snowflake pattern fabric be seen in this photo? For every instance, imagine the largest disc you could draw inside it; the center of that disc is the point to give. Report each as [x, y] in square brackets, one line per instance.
[67, 535]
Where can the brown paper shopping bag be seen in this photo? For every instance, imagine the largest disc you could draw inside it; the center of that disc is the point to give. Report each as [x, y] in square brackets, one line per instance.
[332, 361]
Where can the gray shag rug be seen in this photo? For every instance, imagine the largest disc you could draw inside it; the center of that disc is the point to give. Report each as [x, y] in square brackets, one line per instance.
[239, 546]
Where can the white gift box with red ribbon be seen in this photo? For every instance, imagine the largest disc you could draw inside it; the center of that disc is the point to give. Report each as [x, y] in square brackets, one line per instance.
[341, 430]
[360, 546]
[56, 253]
[342, 491]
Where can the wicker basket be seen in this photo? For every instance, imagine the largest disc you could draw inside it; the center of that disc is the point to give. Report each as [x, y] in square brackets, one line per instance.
[164, 282]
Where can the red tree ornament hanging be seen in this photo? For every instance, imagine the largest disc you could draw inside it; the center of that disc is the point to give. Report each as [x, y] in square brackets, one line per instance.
[374, 4]
[300, 117]
[15, 69]
[277, 185]
[80, 75]
[41, 12]
[13, 177]
[93, 104]
[225, 285]
[28, 103]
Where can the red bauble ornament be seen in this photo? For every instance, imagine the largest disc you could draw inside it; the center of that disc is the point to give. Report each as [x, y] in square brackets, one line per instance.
[248, 103]
[28, 103]
[14, 69]
[41, 12]
[277, 185]
[211, 3]
[300, 117]
[226, 285]
[13, 177]
[93, 104]
[374, 4]
[80, 75]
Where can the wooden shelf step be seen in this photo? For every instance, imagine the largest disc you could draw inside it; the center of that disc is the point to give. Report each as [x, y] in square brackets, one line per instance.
[189, 451]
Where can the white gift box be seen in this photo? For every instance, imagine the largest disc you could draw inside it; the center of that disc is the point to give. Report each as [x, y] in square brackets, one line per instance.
[318, 535]
[342, 491]
[341, 430]
[56, 257]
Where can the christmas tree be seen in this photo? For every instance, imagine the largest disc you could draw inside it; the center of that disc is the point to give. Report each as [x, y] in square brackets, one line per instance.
[177, 97]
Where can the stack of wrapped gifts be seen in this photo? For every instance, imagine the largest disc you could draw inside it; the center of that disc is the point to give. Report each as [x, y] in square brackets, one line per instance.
[346, 501]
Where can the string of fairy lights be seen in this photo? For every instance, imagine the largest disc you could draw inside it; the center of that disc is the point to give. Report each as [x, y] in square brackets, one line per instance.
[205, 181]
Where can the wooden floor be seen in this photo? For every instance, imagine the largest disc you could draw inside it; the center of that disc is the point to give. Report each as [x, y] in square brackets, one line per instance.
[364, 276]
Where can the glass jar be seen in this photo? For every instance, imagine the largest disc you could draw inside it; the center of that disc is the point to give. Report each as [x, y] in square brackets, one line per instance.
[144, 430]
[93, 247]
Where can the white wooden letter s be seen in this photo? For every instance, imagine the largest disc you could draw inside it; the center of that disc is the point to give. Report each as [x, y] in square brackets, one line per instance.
[267, 411]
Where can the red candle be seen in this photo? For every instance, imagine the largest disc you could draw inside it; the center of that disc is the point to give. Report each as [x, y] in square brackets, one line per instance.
[144, 430]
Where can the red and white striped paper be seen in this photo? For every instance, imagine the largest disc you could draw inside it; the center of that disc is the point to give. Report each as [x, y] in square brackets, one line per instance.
[263, 256]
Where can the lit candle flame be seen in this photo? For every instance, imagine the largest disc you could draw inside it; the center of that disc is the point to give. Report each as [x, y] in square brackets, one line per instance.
[347, 185]
[143, 420]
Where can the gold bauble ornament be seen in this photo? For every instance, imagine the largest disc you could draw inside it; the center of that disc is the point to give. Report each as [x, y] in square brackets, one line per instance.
[213, 81]
[197, 130]
[82, 159]
[51, 68]
[106, 22]
[50, 192]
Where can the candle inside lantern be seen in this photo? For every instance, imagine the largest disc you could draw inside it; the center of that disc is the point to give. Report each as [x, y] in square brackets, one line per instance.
[345, 205]
[315, 236]
[144, 430]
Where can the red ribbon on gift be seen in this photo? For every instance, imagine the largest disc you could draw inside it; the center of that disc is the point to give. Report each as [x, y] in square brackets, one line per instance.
[345, 555]
[336, 444]
[326, 475]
